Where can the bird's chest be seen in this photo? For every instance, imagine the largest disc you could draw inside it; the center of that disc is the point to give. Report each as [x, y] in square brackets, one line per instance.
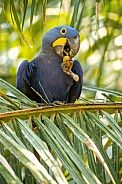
[52, 74]
[52, 81]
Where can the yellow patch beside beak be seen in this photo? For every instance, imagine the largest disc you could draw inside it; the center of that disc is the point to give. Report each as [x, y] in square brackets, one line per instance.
[59, 41]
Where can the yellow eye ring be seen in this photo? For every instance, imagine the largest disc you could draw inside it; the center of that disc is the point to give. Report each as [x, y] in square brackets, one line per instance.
[63, 31]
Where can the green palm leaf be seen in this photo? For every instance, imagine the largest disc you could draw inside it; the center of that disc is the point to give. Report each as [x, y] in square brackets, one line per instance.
[59, 144]
[7, 171]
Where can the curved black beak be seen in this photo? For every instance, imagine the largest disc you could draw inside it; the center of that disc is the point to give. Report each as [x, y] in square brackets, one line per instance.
[67, 46]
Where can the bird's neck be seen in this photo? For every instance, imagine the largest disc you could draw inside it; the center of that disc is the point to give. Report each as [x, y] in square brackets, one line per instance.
[50, 55]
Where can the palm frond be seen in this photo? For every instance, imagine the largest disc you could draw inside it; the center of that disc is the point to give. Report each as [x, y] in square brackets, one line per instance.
[59, 144]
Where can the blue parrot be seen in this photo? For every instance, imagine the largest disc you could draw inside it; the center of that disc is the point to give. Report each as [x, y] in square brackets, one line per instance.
[46, 78]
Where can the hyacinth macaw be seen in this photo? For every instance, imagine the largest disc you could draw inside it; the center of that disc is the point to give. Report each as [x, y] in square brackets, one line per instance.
[53, 75]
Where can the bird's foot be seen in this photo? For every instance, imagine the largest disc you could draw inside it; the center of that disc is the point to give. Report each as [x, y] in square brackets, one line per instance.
[74, 76]
[59, 103]
[69, 72]
[67, 66]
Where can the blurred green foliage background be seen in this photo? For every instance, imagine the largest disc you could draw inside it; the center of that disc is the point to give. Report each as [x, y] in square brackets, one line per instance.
[100, 52]
[22, 26]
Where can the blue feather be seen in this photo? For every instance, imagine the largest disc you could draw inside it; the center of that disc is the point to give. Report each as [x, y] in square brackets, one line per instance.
[45, 75]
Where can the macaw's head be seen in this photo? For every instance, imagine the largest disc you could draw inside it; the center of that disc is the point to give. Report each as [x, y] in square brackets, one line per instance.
[64, 40]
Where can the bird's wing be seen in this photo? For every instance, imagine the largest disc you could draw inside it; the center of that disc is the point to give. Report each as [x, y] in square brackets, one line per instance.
[24, 74]
[75, 90]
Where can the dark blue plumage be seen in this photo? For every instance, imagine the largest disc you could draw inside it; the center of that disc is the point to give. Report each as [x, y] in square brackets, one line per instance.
[45, 75]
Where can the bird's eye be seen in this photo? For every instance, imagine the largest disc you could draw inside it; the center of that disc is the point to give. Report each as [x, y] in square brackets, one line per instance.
[63, 31]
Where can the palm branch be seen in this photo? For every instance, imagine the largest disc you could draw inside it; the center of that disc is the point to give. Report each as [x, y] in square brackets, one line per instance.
[71, 143]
